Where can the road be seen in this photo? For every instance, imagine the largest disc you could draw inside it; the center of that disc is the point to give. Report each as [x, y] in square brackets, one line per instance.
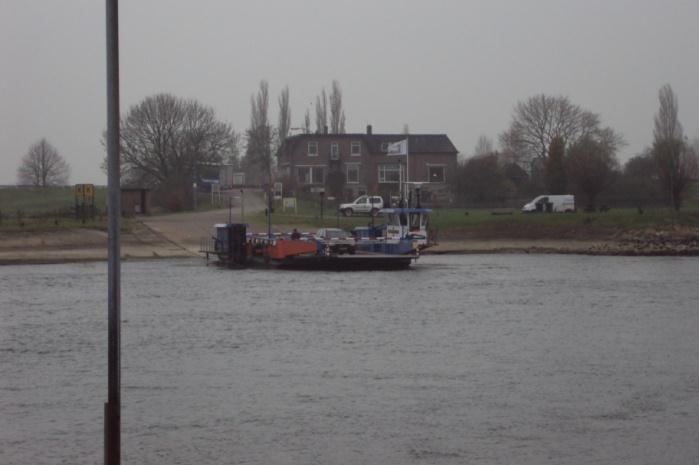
[186, 229]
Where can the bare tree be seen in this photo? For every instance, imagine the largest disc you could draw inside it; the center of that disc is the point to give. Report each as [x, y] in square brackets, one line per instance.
[321, 112]
[43, 166]
[640, 181]
[284, 116]
[233, 157]
[675, 158]
[164, 139]
[481, 179]
[540, 119]
[337, 113]
[484, 146]
[260, 133]
[307, 122]
[666, 122]
[592, 165]
[509, 149]
[554, 169]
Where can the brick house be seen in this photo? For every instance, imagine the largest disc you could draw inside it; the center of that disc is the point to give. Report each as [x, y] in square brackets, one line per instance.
[349, 165]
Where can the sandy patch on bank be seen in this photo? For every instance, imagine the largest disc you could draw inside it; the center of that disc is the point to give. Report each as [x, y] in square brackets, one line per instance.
[164, 236]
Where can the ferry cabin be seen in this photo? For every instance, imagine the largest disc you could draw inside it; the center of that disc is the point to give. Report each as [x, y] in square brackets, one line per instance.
[407, 223]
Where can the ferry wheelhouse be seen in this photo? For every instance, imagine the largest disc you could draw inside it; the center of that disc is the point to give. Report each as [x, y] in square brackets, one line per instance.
[405, 231]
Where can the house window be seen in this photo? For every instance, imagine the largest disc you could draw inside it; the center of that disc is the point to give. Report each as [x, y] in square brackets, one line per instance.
[389, 173]
[334, 151]
[355, 148]
[313, 149]
[310, 174]
[353, 174]
[318, 175]
[436, 173]
[303, 174]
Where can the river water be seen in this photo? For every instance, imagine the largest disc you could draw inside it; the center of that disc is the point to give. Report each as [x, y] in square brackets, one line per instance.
[478, 359]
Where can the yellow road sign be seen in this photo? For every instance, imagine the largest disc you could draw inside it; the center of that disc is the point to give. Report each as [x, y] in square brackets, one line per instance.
[84, 190]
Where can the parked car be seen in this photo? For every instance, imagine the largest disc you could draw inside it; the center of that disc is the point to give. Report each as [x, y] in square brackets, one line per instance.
[551, 204]
[370, 204]
[336, 240]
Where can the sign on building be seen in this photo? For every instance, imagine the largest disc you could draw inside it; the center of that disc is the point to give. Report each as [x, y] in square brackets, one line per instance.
[289, 202]
[238, 179]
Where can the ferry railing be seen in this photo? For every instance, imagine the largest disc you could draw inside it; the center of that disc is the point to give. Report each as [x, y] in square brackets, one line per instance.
[209, 246]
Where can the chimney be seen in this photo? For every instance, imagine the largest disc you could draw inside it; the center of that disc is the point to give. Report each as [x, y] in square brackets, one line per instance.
[368, 129]
[325, 129]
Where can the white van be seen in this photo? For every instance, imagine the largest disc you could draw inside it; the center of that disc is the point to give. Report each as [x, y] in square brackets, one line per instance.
[551, 203]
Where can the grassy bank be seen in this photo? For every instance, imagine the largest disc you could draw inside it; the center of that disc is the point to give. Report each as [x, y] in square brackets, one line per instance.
[488, 223]
[32, 200]
[37, 209]
[580, 225]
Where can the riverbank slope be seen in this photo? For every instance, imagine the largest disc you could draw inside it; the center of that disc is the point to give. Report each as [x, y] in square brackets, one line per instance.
[178, 235]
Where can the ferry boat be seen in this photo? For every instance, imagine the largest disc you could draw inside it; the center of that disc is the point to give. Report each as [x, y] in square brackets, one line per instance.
[233, 247]
[390, 246]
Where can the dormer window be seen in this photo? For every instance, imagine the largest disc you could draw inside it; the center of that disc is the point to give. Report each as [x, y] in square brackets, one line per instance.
[384, 146]
[313, 149]
[334, 151]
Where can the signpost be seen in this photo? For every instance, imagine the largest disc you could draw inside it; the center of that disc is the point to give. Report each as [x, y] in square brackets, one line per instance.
[322, 197]
[194, 195]
[215, 194]
[321, 191]
[242, 206]
[84, 200]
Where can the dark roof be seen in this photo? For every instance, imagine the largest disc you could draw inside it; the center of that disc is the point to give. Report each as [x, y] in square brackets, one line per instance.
[417, 143]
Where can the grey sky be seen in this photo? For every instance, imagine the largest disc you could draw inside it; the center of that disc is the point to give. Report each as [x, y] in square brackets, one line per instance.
[454, 67]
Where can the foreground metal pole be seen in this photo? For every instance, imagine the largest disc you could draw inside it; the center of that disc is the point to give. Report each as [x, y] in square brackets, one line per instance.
[112, 409]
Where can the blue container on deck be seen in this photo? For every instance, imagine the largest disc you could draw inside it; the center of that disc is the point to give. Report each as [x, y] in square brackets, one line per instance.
[223, 232]
[230, 237]
[367, 232]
